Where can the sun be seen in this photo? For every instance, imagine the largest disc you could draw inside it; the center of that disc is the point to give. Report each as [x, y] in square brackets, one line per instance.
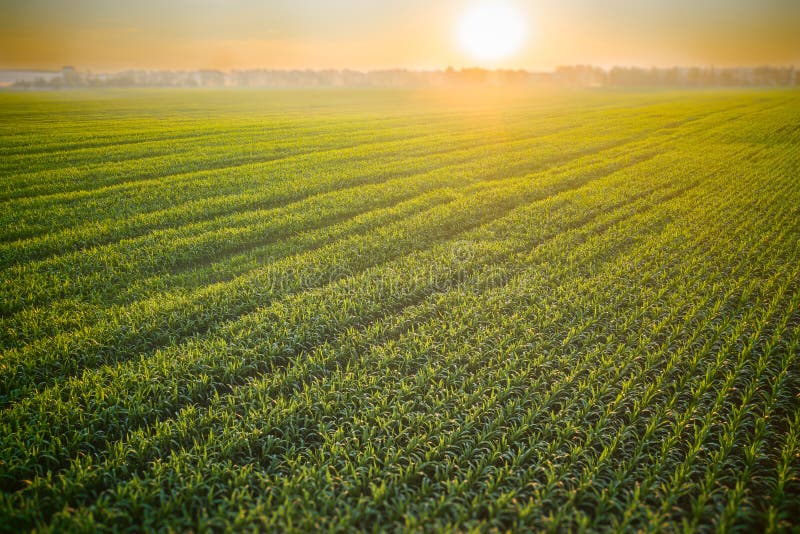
[491, 31]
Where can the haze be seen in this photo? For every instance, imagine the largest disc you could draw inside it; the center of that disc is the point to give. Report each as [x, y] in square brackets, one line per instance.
[367, 34]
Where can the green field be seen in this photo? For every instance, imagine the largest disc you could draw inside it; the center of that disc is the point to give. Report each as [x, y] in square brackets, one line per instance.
[328, 310]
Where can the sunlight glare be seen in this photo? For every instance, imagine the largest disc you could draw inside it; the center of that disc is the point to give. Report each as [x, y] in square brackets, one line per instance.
[491, 31]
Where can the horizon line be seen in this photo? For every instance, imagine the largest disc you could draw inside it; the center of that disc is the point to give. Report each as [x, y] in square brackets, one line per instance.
[409, 69]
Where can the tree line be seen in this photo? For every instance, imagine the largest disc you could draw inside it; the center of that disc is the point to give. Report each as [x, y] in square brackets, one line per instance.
[576, 75]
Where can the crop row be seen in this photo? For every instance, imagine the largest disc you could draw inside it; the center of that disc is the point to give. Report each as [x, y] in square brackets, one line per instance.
[589, 324]
[422, 379]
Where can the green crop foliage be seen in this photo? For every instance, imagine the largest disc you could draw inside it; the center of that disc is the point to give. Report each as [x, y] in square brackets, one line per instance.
[400, 311]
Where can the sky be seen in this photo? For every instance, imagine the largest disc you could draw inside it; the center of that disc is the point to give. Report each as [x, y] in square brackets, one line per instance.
[111, 35]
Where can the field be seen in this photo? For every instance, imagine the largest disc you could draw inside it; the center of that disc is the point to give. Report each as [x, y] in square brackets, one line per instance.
[362, 309]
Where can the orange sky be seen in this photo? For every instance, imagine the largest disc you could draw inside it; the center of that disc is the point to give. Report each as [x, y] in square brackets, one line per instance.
[371, 34]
